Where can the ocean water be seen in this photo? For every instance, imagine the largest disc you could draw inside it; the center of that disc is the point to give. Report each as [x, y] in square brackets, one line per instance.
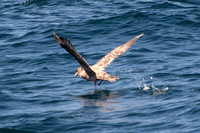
[158, 89]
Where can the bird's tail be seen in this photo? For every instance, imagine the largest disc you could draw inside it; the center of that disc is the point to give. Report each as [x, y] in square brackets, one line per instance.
[113, 78]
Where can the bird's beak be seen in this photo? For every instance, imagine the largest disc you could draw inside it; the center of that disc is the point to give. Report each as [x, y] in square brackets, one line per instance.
[75, 74]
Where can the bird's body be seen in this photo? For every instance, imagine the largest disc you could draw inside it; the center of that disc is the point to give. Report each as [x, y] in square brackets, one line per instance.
[101, 75]
[95, 72]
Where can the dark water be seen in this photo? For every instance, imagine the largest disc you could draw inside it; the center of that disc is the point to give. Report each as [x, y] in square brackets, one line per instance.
[38, 93]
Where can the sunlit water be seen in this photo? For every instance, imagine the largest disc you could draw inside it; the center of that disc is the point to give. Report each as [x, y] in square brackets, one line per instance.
[158, 89]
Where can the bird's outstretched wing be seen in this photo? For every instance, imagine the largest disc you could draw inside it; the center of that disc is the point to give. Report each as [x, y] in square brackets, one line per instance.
[66, 44]
[107, 59]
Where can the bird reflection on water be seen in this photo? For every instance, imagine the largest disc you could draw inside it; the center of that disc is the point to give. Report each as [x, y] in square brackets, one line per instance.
[99, 94]
[100, 101]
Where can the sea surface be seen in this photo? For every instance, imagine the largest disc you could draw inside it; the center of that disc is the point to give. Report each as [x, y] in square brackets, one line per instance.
[159, 85]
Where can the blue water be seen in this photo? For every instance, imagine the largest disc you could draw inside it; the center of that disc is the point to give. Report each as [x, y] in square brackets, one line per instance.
[158, 89]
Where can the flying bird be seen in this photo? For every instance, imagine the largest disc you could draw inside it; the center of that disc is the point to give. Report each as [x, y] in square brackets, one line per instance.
[95, 72]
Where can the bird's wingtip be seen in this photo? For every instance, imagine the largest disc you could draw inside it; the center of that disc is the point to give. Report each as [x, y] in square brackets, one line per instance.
[54, 34]
[57, 38]
[142, 34]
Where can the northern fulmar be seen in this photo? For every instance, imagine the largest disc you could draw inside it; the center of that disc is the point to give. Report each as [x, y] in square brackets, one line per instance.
[95, 72]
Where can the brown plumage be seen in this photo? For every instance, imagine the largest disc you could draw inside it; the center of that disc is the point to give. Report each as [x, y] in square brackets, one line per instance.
[95, 72]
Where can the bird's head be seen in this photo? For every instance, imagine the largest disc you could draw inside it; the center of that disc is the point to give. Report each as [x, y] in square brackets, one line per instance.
[78, 71]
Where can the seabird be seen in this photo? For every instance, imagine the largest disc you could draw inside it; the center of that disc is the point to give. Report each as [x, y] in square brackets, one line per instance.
[95, 72]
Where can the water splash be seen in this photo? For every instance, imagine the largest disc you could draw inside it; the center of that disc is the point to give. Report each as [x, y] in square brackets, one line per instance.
[27, 2]
[147, 85]
[142, 83]
[156, 91]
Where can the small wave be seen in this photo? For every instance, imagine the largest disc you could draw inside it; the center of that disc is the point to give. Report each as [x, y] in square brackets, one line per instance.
[8, 130]
[186, 1]
[190, 23]
[166, 5]
[184, 54]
